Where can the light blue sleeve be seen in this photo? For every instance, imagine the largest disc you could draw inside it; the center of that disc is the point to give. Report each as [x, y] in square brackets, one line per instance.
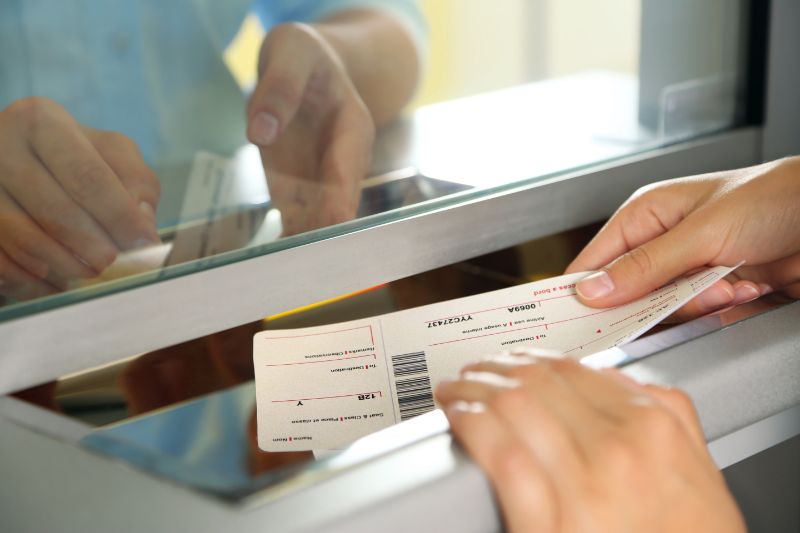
[408, 12]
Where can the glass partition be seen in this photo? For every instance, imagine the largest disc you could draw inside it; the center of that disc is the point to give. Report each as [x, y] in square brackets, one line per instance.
[127, 157]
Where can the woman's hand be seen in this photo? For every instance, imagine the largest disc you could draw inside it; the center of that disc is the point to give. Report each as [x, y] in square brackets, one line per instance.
[571, 449]
[322, 89]
[673, 227]
[71, 198]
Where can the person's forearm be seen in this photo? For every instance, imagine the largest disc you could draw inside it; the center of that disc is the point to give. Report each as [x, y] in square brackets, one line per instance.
[379, 55]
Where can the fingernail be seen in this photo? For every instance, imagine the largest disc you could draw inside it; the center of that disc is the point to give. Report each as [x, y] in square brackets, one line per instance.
[263, 128]
[461, 406]
[490, 378]
[616, 373]
[595, 286]
[148, 210]
[643, 400]
[543, 353]
[764, 288]
[745, 293]
[715, 297]
[444, 383]
[145, 242]
[82, 260]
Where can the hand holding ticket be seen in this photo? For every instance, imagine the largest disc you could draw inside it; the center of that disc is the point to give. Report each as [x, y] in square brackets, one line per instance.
[324, 387]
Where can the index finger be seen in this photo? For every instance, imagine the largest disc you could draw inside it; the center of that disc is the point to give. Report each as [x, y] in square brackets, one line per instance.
[284, 74]
[127, 162]
[608, 244]
[346, 161]
[649, 213]
[633, 225]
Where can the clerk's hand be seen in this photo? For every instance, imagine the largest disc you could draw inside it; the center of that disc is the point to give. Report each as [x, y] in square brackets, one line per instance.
[314, 131]
[570, 449]
[670, 228]
[71, 197]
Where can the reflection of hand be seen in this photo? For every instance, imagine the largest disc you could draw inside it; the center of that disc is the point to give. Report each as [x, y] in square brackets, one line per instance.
[670, 228]
[322, 90]
[568, 448]
[314, 130]
[71, 198]
[305, 204]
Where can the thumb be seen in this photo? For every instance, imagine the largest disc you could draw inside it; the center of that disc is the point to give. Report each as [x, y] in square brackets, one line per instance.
[645, 268]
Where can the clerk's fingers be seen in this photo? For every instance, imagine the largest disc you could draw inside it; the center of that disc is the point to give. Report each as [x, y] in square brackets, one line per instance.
[126, 161]
[288, 57]
[525, 489]
[19, 284]
[32, 249]
[649, 266]
[80, 170]
[346, 160]
[55, 212]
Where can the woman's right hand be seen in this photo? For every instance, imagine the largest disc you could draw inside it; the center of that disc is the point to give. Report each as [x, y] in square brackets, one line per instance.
[672, 227]
[569, 448]
[71, 198]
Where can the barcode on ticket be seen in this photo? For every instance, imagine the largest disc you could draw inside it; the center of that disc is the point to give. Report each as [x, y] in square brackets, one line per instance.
[414, 394]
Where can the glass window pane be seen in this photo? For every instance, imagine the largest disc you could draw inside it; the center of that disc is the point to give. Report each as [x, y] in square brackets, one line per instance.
[114, 110]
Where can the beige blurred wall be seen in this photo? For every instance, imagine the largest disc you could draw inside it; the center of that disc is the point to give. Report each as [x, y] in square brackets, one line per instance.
[475, 46]
[593, 34]
[481, 45]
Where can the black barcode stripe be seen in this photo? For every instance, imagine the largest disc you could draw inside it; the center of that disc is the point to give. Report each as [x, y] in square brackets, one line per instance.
[414, 393]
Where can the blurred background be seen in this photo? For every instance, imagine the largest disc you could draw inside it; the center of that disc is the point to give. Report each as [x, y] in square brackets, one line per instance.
[472, 49]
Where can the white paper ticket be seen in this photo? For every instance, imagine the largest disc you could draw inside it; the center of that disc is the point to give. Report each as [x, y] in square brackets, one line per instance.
[219, 211]
[324, 387]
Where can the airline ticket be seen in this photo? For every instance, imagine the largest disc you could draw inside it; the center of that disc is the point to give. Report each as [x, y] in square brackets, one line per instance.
[324, 387]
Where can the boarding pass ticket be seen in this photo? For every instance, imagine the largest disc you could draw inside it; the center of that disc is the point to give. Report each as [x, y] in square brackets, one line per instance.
[324, 387]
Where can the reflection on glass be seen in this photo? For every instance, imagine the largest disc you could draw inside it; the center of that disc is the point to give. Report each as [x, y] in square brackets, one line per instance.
[144, 140]
[126, 134]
